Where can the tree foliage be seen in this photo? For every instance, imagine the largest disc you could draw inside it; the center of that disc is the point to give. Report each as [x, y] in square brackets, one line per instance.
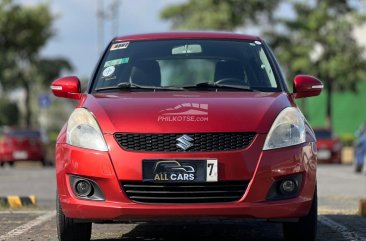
[320, 41]
[9, 113]
[217, 14]
[24, 30]
[46, 70]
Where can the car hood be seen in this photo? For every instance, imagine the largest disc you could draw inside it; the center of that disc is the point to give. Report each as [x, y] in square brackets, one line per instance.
[186, 112]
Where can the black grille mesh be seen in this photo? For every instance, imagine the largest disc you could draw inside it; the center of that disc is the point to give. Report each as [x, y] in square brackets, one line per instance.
[215, 192]
[202, 142]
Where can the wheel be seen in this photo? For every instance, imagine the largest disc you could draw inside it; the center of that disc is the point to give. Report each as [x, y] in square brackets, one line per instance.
[69, 230]
[1, 164]
[43, 163]
[305, 229]
[358, 168]
[11, 163]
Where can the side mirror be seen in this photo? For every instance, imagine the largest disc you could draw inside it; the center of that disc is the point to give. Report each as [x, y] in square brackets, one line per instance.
[306, 86]
[67, 87]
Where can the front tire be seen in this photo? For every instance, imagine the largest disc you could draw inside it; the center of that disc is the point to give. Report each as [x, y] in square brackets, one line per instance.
[43, 163]
[358, 168]
[69, 230]
[305, 229]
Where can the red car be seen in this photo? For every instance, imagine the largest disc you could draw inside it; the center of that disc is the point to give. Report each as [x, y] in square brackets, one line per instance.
[329, 146]
[21, 145]
[186, 125]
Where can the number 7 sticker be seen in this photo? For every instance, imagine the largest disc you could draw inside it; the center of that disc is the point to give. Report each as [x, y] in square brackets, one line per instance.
[211, 171]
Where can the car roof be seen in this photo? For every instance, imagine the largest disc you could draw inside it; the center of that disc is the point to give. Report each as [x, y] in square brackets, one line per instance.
[187, 35]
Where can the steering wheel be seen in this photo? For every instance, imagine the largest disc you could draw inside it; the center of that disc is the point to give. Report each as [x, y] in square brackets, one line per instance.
[232, 81]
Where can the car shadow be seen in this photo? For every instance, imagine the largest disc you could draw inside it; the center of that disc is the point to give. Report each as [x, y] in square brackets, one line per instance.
[218, 231]
[330, 227]
[341, 227]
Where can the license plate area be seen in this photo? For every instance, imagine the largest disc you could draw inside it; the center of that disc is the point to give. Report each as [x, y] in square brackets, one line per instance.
[20, 155]
[178, 171]
[324, 154]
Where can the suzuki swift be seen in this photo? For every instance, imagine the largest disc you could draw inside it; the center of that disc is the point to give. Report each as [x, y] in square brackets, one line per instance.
[186, 125]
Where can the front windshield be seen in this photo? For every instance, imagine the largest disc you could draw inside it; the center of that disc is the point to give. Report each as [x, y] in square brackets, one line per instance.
[186, 62]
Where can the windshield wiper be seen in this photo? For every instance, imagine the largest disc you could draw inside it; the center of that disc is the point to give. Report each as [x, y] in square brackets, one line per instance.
[217, 86]
[129, 85]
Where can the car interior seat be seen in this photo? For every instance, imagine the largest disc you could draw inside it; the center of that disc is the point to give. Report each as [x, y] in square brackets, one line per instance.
[146, 72]
[231, 70]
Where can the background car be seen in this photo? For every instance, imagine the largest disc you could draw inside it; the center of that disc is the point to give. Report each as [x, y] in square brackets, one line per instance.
[329, 146]
[21, 145]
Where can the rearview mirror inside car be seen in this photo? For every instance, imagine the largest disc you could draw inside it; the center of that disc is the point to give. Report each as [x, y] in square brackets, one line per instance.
[187, 49]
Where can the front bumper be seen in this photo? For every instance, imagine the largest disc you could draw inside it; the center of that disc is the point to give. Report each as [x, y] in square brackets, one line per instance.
[112, 211]
[262, 169]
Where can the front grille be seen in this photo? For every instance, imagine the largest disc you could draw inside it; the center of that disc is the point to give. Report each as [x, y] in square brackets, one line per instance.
[218, 192]
[202, 142]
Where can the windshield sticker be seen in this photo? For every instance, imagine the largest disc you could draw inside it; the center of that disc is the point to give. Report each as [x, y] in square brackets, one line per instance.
[116, 62]
[125, 60]
[108, 71]
[122, 45]
[258, 42]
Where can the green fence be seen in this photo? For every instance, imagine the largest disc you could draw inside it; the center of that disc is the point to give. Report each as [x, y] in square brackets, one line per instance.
[349, 110]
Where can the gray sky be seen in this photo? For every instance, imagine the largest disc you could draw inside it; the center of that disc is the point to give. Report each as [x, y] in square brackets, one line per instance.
[76, 27]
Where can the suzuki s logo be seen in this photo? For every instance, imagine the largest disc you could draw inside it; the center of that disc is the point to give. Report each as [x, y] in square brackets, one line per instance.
[184, 142]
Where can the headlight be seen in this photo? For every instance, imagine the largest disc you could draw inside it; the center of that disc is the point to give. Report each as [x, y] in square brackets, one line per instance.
[83, 131]
[287, 130]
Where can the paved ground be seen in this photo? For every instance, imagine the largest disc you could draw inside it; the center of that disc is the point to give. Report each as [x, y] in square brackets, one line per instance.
[339, 193]
[30, 179]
